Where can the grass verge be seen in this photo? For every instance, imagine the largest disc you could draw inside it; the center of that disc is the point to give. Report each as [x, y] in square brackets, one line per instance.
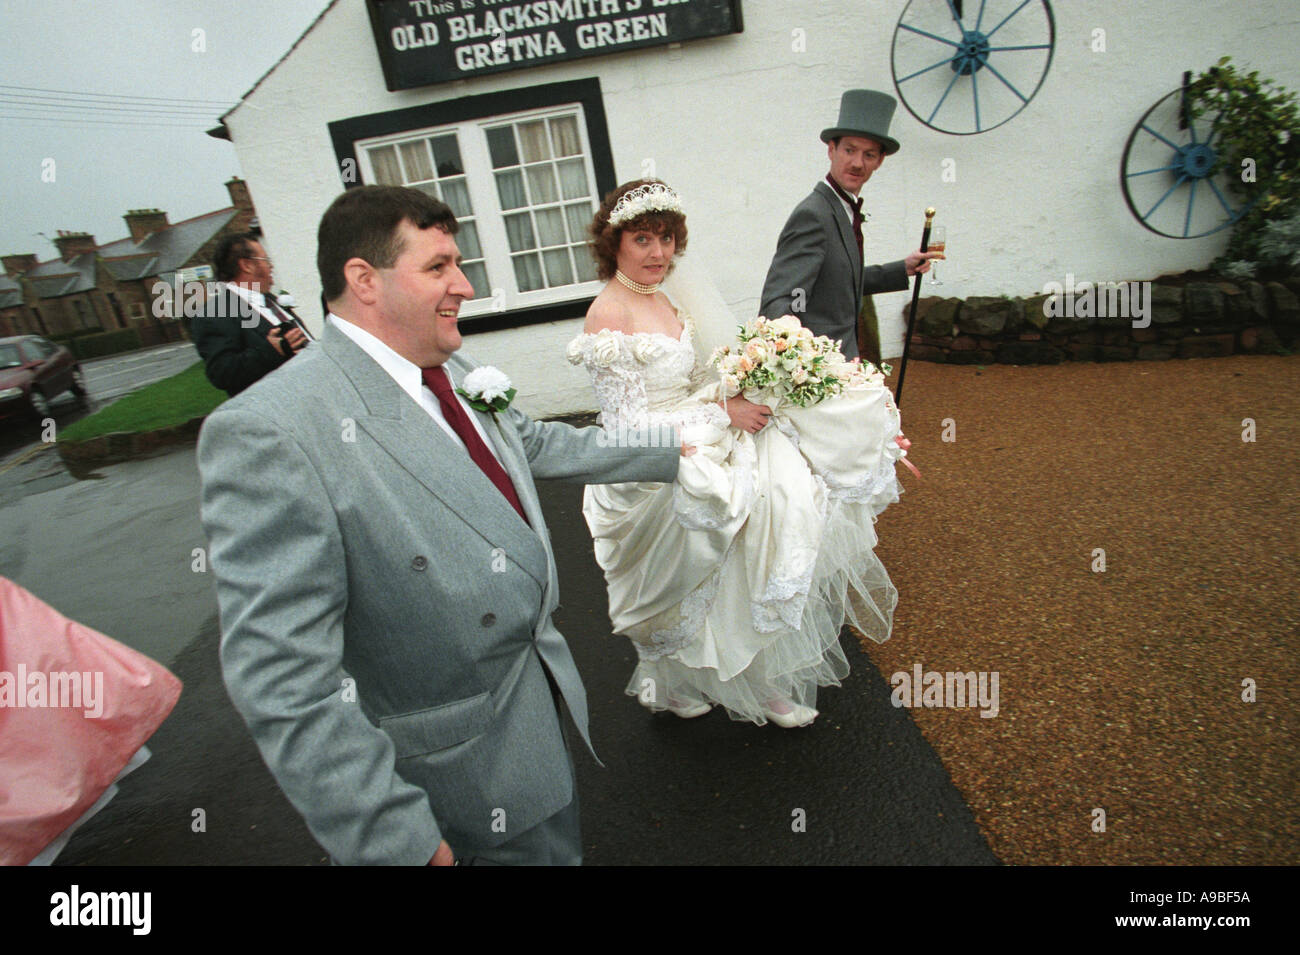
[163, 404]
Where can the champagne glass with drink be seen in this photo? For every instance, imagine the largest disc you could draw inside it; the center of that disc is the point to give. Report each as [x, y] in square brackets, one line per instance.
[938, 242]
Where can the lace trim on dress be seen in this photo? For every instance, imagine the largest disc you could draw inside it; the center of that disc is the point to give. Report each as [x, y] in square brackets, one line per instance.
[881, 487]
[621, 364]
[781, 605]
[693, 610]
[883, 483]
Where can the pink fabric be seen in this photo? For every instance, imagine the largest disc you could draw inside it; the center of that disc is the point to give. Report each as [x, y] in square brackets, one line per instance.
[906, 445]
[56, 761]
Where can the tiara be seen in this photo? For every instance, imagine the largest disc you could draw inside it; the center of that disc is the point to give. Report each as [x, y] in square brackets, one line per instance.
[652, 197]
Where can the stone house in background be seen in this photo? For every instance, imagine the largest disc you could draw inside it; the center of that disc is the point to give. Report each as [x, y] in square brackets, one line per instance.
[14, 315]
[110, 286]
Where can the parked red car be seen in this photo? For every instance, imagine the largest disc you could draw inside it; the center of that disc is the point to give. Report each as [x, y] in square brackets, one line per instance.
[33, 371]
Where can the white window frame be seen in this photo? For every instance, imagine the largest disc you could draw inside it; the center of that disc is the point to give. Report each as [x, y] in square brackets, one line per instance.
[489, 217]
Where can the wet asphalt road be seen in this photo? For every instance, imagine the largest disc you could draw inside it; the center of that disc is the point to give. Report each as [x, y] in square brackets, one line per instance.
[698, 792]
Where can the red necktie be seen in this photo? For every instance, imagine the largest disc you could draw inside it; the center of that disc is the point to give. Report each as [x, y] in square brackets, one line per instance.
[438, 382]
[855, 204]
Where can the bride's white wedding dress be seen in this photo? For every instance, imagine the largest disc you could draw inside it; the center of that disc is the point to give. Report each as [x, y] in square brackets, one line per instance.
[734, 581]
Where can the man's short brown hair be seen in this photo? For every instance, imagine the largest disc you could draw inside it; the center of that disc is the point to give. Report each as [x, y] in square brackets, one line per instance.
[364, 223]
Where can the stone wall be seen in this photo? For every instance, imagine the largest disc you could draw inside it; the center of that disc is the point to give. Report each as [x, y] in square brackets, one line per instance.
[1189, 317]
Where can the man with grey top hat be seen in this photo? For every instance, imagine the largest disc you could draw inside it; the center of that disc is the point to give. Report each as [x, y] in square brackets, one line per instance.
[818, 274]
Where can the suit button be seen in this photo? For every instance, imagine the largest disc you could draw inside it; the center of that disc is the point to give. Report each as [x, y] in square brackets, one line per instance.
[419, 562]
[488, 619]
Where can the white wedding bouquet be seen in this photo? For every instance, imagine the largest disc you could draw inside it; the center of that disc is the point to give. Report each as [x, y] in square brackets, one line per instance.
[783, 357]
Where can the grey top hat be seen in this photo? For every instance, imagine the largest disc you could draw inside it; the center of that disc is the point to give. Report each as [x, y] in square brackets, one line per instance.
[865, 113]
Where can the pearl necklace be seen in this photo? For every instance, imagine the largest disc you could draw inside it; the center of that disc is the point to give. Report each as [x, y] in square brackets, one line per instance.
[636, 286]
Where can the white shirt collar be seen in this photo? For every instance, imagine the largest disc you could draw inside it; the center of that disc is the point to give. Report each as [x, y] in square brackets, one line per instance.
[256, 298]
[406, 373]
[410, 379]
[848, 209]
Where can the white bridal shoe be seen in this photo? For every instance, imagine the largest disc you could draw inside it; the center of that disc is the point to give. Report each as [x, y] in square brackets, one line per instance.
[688, 711]
[794, 716]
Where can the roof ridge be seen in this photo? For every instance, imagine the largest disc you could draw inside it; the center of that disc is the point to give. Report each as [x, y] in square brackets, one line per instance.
[276, 65]
[201, 215]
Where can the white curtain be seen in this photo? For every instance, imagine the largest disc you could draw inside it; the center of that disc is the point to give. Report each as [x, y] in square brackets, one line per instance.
[384, 162]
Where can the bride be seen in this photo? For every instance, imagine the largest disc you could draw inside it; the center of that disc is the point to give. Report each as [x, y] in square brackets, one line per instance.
[734, 581]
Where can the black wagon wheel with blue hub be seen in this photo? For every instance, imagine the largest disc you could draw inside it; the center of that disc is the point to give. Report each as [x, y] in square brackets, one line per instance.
[1174, 174]
[968, 66]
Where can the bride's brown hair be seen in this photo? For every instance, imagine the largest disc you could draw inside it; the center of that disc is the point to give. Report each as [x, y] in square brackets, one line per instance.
[605, 238]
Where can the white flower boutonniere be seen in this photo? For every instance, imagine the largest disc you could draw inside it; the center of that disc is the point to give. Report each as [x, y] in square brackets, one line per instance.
[487, 389]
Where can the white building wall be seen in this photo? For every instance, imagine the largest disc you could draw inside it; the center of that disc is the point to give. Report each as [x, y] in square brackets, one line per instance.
[733, 124]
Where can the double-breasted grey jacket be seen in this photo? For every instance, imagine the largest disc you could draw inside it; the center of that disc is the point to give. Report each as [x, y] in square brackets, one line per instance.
[386, 614]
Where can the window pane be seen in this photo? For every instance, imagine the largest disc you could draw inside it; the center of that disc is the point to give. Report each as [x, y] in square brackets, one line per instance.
[519, 230]
[546, 196]
[573, 179]
[416, 160]
[550, 227]
[558, 269]
[467, 241]
[510, 188]
[579, 216]
[384, 162]
[528, 273]
[501, 144]
[532, 136]
[586, 264]
[564, 133]
[456, 195]
[446, 155]
[541, 184]
[477, 276]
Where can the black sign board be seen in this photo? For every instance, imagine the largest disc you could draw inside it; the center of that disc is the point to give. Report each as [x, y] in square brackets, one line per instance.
[433, 41]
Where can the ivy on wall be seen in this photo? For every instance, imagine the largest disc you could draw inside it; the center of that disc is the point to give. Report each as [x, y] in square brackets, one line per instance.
[1257, 131]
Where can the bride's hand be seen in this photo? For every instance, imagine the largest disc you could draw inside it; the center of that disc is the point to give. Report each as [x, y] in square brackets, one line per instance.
[746, 415]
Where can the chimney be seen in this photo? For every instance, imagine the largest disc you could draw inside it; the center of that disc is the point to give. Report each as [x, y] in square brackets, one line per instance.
[18, 264]
[145, 222]
[73, 244]
[239, 196]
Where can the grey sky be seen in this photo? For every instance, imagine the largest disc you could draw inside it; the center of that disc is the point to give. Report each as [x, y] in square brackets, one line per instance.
[139, 48]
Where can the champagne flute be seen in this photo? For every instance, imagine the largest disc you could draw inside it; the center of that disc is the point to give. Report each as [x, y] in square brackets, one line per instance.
[938, 242]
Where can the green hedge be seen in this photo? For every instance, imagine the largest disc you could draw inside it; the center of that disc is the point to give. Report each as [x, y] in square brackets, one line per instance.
[67, 337]
[105, 343]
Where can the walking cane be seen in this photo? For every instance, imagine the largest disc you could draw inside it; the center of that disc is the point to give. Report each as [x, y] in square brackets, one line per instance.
[911, 318]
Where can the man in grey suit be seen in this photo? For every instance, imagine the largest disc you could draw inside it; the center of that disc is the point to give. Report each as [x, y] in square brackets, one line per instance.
[817, 274]
[384, 572]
